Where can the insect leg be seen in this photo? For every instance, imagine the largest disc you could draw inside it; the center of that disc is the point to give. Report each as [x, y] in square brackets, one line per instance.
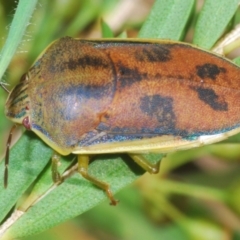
[83, 162]
[7, 155]
[143, 163]
[56, 176]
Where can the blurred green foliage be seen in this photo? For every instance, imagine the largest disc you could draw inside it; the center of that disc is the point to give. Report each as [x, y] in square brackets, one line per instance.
[196, 195]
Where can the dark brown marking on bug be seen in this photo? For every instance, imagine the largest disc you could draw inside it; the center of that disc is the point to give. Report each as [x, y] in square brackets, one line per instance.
[86, 61]
[17, 100]
[19, 92]
[79, 56]
[209, 70]
[17, 103]
[161, 108]
[23, 78]
[209, 96]
[35, 71]
[155, 53]
[128, 76]
[17, 115]
[180, 77]
[19, 86]
[157, 76]
[87, 91]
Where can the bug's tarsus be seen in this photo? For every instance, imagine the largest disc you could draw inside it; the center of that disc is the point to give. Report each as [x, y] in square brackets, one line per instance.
[113, 202]
[56, 176]
[4, 88]
[145, 164]
[7, 155]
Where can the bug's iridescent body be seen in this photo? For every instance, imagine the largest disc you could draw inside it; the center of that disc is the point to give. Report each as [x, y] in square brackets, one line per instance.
[95, 96]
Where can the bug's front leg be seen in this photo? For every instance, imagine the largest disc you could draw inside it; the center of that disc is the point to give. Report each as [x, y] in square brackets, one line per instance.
[56, 176]
[83, 162]
[145, 164]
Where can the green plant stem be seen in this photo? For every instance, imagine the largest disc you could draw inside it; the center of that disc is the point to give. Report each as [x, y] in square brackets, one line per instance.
[191, 190]
[169, 209]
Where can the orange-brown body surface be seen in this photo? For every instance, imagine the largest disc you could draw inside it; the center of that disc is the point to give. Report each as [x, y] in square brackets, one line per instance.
[83, 93]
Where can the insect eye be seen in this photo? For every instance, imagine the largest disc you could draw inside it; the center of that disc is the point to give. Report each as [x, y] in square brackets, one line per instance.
[26, 123]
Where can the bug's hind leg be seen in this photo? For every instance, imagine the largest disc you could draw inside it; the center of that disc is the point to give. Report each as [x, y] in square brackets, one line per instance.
[83, 162]
[56, 176]
[144, 163]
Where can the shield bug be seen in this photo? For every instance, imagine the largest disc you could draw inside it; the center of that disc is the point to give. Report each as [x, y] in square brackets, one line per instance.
[126, 96]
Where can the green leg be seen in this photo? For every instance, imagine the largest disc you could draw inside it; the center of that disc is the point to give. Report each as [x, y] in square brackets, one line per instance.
[56, 176]
[143, 163]
[83, 162]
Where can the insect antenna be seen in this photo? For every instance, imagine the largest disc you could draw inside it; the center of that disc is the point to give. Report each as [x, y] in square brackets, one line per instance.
[3, 87]
[7, 155]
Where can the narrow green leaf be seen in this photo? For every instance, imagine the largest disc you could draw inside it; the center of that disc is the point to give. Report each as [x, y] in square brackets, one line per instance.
[167, 19]
[73, 197]
[88, 12]
[27, 159]
[106, 30]
[122, 35]
[237, 61]
[45, 182]
[213, 20]
[20, 22]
